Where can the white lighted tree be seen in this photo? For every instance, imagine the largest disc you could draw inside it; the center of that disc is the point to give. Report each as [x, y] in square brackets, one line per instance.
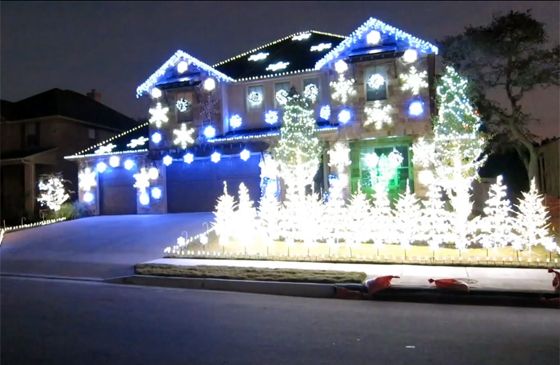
[382, 219]
[52, 191]
[434, 219]
[358, 216]
[224, 216]
[245, 217]
[532, 221]
[269, 213]
[408, 218]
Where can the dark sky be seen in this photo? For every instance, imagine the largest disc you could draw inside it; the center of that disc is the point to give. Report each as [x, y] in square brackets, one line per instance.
[115, 46]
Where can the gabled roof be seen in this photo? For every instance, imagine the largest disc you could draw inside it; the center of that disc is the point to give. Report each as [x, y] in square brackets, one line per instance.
[298, 52]
[69, 104]
[123, 143]
[391, 37]
[168, 70]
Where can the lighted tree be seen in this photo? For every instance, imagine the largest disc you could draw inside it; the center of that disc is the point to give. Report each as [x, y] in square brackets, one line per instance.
[245, 216]
[53, 193]
[358, 217]
[408, 217]
[335, 218]
[224, 216]
[434, 220]
[269, 213]
[495, 228]
[381, 218]
[532, 221]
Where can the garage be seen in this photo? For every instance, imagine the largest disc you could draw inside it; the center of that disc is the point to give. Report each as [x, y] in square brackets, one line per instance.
[118, 196]
[195, 187]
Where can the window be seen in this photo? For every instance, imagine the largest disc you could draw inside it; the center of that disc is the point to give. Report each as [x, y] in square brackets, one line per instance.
[376, 82]
[255, 97]
[92, 133]
[313, 82]
[31, 135]
[280, 86]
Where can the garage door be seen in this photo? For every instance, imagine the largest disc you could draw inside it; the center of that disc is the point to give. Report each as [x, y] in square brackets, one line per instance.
[118, 196]
[195, 187]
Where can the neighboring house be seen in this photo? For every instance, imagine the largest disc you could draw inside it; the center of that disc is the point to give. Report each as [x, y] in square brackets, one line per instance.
[232, 112]
[36, 134]
[549, 177]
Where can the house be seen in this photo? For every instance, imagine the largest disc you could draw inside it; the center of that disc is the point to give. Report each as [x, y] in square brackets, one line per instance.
[373, 89]
[37, 132]
[549, 177]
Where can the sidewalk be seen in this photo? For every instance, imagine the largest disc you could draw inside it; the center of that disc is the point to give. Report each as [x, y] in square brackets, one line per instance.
[411, 276]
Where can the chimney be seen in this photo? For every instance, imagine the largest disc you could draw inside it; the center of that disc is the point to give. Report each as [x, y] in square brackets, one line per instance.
[95, 95]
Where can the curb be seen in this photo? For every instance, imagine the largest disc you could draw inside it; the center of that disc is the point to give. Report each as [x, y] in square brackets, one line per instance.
[316, 290]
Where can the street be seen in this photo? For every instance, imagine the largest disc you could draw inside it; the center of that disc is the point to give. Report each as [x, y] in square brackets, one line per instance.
[84, 322]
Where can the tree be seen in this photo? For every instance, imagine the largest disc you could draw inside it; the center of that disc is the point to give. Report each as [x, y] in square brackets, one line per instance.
[269, 213]
[224, 216]
[53, 193]
[506, 58]
[358, 216]
[245, 217]
[435, 219]
[408, 213]
[532, 221]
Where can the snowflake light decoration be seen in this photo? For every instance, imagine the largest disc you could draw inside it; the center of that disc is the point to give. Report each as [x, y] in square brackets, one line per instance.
[301, 37]
[87, 179]
[311, 92]
[277, 66]
[258, 56]
[378, 115]
[135, 142]
[339, 156]
[108, 148]
[255, 98]
[414, 80]
[235, 121]
[343, 89]
[183, 105]
[325, 112]
[375, 81]
[158, 115]
[320, 47]
[142, 179]
[183, 136]
[281, 97]
[271, 117]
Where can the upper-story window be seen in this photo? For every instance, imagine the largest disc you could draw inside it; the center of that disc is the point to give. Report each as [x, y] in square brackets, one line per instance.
[314, 81]
[255, 97]
[92, 133]
[280, 86]
[184, 107]
[376, 82]
[31, 135]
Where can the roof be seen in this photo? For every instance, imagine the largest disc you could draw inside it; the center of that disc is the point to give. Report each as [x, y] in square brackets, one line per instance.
[298, 52]
[130, 141]
[66, 103]
[21, 154]
[392, 39]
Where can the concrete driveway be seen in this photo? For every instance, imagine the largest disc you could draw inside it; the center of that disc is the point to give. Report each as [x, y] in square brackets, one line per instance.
[95, 247]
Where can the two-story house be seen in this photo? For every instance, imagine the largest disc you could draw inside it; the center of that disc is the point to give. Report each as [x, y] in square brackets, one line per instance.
[37, 132]
[374, 91]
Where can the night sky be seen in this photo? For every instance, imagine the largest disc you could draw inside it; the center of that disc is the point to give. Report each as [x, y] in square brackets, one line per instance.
[115, 46]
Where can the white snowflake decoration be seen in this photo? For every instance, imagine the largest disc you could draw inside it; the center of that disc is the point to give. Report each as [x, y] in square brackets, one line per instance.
[158, 115]
[183, 105]
[414, 81]
[378, 115]
[142, 179]
[87, 179]
[375, 81]
[311, 92]
[271, 117]
[135, 142]
[183, 136]
[258, 56]
[343, 89]
[301, 37]
[339, 156]
[108, 148]
[235, 121]
[281, 97]
[325, 112]
[277, 66]
[320, 47]
[255, 98]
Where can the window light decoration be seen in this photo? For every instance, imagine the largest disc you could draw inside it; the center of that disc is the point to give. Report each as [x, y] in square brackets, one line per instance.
[105, 149]
[87, 179]
[277, 66]
[258, 56]
[375, 81]
[360, 33]
[343, 89]
[340, 66]
[373, 38]
[215, 157]
[255, 98]
[156, 137]
[182, 105]
[188, 158]
[311, 92]
[416, 108]
[156, 93]
[114, 161]
[325, 112]
[167, 160]
[101, 167]
[183, 136]
[410, 56]
[344, 116]
[88, 197]
[158, 115]
[271, 117]
[245, 154]
[144, 198]
[135, 142]
[378, 115]
[156, 193]
[209, 132]
[414, 81]
[182, 67]
[235, 121]
[320, 47]
[301, 36]
[153, 173]
[281, 97]
[129, 164]
[209, 84]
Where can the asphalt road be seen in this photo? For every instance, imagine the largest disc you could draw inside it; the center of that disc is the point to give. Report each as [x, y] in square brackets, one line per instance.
[73, 322]
[98, 247]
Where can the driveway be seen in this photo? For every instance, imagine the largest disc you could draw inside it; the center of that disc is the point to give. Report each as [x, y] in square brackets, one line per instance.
[95, 247]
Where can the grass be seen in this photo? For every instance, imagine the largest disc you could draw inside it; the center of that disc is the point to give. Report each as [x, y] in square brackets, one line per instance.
[251, 273]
